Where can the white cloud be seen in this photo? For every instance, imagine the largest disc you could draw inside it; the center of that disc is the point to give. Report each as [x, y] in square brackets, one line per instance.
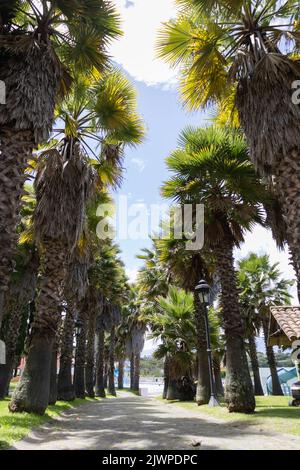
[132, 273]
[135, 51]
[139, 163]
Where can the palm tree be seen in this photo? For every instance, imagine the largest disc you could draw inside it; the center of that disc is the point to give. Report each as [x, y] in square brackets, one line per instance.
[67, 176]
[80, 352]
[65, 388]
[252, 329]
[74, 292]
[41, 42]
[187, 268]
[63, 186]
[94, 306]
[134, 329]
[22, 291]
[20, 295]
[254, 46]
[211, 167]
[107, 276]
[261, 287]
[173, 324]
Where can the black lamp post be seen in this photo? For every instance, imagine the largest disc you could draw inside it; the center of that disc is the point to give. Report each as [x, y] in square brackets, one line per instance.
[203, 291]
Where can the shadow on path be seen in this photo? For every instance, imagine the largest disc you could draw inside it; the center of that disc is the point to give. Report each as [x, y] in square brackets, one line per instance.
[130, 422]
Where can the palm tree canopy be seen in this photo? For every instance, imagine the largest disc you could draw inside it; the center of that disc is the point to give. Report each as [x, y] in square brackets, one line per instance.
[261, 284]
[219, 40]
[101, 114]
[211, 167]
[248, 49]
[42, 43]
[173, 325]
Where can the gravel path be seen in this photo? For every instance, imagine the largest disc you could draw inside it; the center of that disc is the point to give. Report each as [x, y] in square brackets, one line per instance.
[130, 422]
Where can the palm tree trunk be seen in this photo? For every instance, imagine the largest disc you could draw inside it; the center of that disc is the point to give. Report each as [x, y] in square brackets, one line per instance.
[100, 389]
[15, 149]
[105, 376]
[136, 378]
[203, 384]
[80, 354]
[172, 392]
[10, 337]
[111, 367]
[132, 372]
[65, 384]
[239, 393]
[258, 390]
[276, 387]
[217, 376]
[17, 311]
[32, 392]
[121, 374]
[287, 186]
[5, 376]
[53, 375]
[90, 355]
[296, 266]
[166, 377]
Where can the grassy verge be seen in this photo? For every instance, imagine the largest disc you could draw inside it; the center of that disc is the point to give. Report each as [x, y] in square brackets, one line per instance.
[128, 390]
[14, 427]
[272, 413]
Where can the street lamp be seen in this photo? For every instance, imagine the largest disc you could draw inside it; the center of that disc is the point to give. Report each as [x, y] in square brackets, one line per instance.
[203, 291]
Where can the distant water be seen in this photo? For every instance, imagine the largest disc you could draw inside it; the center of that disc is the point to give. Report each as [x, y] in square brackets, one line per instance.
[154, 385]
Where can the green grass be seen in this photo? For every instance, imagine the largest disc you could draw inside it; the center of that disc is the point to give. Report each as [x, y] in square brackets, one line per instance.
[128, 390]
[271, 412]
[15, 426]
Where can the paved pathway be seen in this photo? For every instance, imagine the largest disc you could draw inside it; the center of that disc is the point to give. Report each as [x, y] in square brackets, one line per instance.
[131, 422]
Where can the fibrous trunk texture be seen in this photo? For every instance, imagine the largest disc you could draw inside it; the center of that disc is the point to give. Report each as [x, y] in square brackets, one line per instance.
[17, 301]
[217, 376]
[105, 373]
[121, 374]
[287, 186]
[111, 366]
[15, 151]
[90, 355]
[100, 390]
[203, 384]
[172, 392]
[65, 384]
[166, 377]
[239, 393]
[132, 371]
[80, 353]
[268, 113]
[53, 375]
[136, 378]
[32, 392]
[32, 75]
[276, 387]
[6, 371]
[10, 337]
[258, 390]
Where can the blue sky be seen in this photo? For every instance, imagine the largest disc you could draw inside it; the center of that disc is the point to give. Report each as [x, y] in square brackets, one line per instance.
[145, 166]
[164, 117]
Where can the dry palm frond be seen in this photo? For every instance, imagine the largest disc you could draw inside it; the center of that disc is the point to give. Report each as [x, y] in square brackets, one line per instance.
[64, 183]
[271, 125]
[33, 69]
